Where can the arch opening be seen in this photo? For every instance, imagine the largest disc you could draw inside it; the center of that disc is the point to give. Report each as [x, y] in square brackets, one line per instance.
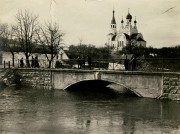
[101, 87]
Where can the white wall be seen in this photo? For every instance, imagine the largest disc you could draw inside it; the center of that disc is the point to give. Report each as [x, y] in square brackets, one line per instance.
[7, 56]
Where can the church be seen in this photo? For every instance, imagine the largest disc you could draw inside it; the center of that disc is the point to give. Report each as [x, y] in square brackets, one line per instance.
[126, 35]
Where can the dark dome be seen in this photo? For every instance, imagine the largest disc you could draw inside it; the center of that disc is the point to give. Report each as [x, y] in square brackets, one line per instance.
[129, 16]
[122, 21]
[135, 21]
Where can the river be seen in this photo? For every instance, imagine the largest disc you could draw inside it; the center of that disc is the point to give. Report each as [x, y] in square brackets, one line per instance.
[29, 110]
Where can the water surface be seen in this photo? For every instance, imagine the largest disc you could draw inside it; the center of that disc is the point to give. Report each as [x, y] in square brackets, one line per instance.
[28, 110]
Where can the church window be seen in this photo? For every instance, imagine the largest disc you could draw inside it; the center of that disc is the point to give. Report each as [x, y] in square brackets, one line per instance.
[122, 43]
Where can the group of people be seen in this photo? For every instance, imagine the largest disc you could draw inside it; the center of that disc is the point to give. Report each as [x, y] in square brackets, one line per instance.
[34, 62]
[132, 64]
[128, 64]
[82, 61]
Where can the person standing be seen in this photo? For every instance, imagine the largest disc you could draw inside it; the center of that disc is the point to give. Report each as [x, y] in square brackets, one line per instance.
[89, 62]
[126, 63]
[134, 63]
[32, 62]
[79, 62]
[36, 62]
[21, 63]
[84, 62]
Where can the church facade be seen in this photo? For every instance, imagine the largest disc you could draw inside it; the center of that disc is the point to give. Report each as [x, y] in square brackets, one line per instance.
[126, 35]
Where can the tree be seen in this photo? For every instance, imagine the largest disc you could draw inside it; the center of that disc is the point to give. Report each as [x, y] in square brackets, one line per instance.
[50, 37]
[89, 50]
[25, 32]
[7, 38]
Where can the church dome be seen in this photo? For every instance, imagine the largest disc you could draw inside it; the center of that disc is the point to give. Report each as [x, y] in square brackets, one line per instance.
[129, 16]
[122, 21]
[135, 21]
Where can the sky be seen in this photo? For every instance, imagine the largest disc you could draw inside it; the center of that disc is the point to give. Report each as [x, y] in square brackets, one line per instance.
[89, 20]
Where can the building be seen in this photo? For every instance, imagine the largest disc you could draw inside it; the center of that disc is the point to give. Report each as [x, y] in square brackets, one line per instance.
[6, 58]
[126, 35]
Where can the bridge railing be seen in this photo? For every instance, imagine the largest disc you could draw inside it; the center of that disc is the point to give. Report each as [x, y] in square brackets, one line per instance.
[139, 64]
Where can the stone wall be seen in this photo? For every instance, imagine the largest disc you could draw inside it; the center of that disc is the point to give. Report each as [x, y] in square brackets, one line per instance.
[171, 86]
[37, 78]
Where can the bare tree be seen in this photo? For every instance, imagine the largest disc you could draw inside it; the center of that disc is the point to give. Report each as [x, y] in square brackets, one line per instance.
[50, 37]
[8, 41]
[26, 32]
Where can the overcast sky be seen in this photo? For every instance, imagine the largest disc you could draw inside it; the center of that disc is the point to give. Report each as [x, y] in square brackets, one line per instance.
[89, 20]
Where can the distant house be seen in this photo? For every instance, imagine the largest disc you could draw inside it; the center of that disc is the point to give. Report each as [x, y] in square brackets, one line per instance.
[6, 57]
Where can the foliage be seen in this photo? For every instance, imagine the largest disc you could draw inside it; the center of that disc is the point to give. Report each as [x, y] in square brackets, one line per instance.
[89, 50]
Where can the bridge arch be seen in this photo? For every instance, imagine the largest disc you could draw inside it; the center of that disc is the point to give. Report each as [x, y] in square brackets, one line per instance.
[104, 83]
[80, 81]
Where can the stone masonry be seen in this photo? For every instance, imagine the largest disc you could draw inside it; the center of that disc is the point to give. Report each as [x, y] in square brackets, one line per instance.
[171, 86]
[36, 78]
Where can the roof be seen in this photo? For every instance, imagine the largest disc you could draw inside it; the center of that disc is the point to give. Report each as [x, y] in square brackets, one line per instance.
[110, 34]
[134, 36]
[140, 39]
[113, 21]
[113, 38]
[127, 36]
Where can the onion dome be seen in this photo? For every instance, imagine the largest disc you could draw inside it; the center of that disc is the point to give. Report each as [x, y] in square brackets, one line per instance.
[122, 21]
[129, 16]
[135, 20]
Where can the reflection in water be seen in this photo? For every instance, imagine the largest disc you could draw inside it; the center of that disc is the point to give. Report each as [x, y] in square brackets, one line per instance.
[30, 110]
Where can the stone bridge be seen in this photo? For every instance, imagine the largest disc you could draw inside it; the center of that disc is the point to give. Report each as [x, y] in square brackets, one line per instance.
[144, 84]
[141, 83]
